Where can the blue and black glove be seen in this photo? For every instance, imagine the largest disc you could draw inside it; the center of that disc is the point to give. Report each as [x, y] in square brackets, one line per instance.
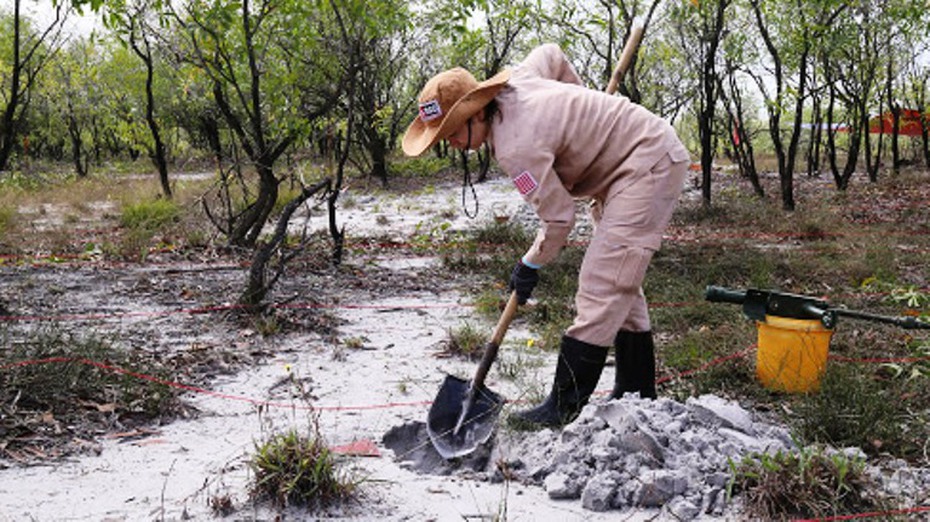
[523, 279]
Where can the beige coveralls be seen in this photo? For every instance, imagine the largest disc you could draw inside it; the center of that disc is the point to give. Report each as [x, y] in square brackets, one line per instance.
[558, 141]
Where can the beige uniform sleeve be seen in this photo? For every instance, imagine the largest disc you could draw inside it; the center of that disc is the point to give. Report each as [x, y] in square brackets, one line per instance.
[541, 187]
[548, 61]
[548, 195]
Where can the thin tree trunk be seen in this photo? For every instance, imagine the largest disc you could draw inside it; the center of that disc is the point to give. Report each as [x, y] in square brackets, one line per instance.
[258, 284]
[8, 123]
[158, 148]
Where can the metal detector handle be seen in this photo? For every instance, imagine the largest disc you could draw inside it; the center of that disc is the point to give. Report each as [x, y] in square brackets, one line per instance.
[719, 294]
[907, 322]
[490, 349]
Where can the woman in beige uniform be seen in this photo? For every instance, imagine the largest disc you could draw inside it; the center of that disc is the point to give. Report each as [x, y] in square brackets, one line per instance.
[559, 141]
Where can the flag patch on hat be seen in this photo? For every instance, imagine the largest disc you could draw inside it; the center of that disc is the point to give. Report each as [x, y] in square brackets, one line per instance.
[525, 182]
[430, 110]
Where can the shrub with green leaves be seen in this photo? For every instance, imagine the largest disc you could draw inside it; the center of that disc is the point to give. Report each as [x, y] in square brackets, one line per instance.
[293, 469]
[143, 221]
[490, 249]
[426, 165]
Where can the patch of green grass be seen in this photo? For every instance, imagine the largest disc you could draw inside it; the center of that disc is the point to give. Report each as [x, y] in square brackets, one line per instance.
[20, 181]
[466, 341]
[6, 220]
[514, 361]
[266, 324]
[426, 165]
[430, 235]
[709, 360]
[863, 409]
[490, 250]
[295, 469]
[141, 222]
[80, 381]
[83, 368]
[150, 215]
[803, 484]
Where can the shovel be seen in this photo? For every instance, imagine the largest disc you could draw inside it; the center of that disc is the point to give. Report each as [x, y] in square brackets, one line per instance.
[464, 413]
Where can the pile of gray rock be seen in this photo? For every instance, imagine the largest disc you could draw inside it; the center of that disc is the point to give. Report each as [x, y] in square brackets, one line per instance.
[671, 457]
[647, 454]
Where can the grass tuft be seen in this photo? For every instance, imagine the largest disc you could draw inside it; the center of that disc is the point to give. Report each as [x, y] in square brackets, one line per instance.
[465, 341]
[150, 215]
[54, 383]
[807, 483]
[294, 469]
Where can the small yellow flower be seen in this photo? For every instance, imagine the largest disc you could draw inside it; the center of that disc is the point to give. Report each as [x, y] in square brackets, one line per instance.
[287, 368]
[530, 343]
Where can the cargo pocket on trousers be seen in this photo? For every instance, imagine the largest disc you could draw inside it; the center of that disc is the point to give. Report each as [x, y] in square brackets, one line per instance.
[612, 266]
[631, 265]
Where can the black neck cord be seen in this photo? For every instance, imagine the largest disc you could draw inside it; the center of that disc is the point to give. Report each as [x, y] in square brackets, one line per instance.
[466, 181]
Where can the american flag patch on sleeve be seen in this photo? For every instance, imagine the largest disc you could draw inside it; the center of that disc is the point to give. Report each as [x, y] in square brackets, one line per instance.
[525, 182]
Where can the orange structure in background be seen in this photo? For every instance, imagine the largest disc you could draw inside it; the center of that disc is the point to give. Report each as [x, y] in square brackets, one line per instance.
[908, 125]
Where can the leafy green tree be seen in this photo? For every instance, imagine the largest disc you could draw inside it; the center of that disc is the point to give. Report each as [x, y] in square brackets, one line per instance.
[852, 64]
[119, 129]
[74, 89]
[24, 52]
[270, 77]
[701, 26]
[194, 111]
[741, 120]
[381, 40]
[479, 35]
[594, 33]
[133, 22]
[789, 31]
[906, 25]
[917, 93]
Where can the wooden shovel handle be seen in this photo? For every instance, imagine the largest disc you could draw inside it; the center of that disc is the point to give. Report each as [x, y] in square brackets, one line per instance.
[626, 57]
[490, 349]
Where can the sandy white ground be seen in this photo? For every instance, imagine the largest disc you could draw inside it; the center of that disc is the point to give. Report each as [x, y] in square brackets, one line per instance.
[175, 471]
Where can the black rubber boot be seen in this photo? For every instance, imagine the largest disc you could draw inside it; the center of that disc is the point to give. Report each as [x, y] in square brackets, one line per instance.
[636, 365]
[576, 375]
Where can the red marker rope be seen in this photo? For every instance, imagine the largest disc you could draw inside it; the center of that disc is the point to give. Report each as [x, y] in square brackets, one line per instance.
[203, 391]
[259, 402]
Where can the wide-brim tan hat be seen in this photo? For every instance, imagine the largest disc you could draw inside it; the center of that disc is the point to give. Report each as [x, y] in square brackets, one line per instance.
[446, 102]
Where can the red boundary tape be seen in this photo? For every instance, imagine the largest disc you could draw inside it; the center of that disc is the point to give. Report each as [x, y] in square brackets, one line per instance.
[197, 389]
[259, 402]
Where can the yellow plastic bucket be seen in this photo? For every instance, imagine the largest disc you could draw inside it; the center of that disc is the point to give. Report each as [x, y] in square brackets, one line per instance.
[792, 353]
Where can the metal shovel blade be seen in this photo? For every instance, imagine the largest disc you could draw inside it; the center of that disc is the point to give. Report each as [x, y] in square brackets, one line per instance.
[451, 410]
